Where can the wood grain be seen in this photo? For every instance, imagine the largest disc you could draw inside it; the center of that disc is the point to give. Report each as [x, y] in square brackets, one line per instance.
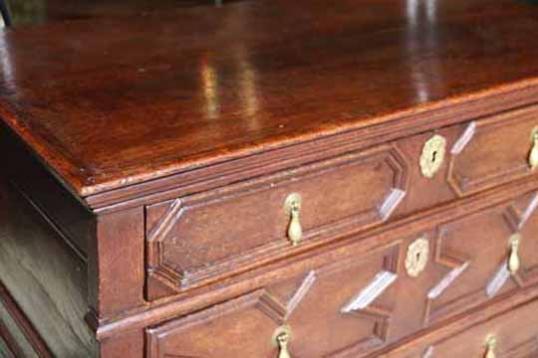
[195, 238]
[231, 91]
[147, 159]
[515, 332]
[301, 258]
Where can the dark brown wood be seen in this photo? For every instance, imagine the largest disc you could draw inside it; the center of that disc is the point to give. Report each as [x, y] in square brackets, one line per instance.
[116, 304]
[473, 168]
[225, 92]
[127, 344]
[116, 265]
[193, 239]
[313, 302]
[376, 181]
[362, 242]
[512, 341]
[493, 320]
[147, 160]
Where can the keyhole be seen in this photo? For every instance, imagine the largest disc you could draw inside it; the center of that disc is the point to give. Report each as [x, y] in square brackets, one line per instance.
[417, 257]
[434, 156]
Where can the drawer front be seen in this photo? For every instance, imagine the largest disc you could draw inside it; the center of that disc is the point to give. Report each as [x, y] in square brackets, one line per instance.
[205, 237]
[510, 335]
[475, 251]
[370, 299]
[353, 297]
[494, 151]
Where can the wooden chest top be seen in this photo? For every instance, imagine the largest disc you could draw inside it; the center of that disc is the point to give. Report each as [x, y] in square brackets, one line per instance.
[115, 104]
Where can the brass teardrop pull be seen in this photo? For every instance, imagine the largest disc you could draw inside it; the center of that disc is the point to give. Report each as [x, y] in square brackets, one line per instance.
[533, 155]
[282, 338]
[513, 260]
[293, 209]
[491, 345]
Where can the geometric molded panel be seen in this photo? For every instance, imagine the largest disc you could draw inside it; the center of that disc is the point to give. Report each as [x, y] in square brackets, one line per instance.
[220, 331]
[492, 151]
[313, 304]
[207, 236]
[525, 212]
[474, 250]
[515, 334]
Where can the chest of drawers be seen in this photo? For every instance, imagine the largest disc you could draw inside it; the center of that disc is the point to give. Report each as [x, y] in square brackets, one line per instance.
[272, 179]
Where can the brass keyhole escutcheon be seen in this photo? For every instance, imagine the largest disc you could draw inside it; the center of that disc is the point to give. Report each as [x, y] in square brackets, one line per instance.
[292, 207]
[514, 262]
[417, 257]
[433, 155]
[281, 338]
[491, 346]
[533, 154]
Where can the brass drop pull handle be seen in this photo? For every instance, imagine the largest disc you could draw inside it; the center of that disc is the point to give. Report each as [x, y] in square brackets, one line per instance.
[293, 209]
[281, 339]
[491, 345]
[533, 155]
[513, 259]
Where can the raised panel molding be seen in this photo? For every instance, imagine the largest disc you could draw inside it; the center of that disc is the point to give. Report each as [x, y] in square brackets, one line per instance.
[175, 228]
[461, 261]
[525, 221]
[472, 168]
[160, 337]
[292, 302]
[455, 263]
[364, 306]
[525, 349]
[365, 289]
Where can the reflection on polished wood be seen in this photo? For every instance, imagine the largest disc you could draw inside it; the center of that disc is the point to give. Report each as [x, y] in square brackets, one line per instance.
[208, 85]
[304, 178]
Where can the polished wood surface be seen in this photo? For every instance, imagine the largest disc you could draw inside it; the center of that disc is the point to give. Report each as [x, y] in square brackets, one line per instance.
[112, 103]
[193, 239]
[147, 161]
